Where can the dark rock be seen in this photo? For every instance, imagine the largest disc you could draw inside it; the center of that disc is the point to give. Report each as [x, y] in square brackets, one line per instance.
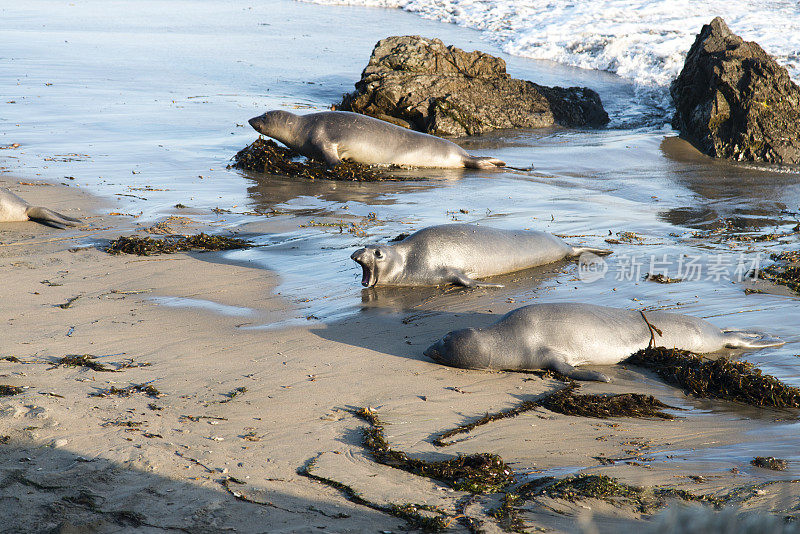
[734, 101]
[422, 84]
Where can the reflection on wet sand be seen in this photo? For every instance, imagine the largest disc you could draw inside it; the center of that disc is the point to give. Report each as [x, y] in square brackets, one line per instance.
[268, 191]
[519, 286]
[750, 196]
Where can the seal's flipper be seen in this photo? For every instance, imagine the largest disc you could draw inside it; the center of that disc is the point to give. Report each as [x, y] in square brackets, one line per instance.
[743, 339]
[458, 278]
[51, 218]
[577, 251]
[483, 162]
[557, 364]
[330, 151]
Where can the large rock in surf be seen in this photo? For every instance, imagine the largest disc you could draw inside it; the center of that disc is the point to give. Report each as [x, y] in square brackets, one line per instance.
[441, 90]
[734, 101]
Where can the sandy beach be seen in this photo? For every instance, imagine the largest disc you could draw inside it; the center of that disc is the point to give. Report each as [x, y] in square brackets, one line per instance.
[258, 404]
[232, 379]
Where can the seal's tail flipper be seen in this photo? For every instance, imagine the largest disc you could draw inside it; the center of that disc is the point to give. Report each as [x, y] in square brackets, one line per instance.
[577, 251]
[742, 339]
[51, 218]
[483, 162]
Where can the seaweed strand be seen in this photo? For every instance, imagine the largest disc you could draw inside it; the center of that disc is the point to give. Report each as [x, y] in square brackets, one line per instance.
[721, 378]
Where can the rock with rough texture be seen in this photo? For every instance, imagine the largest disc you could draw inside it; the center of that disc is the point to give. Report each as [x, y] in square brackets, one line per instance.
[734, 101]
[422, 84]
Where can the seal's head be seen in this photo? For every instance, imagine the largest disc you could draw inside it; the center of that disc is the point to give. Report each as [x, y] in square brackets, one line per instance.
[380, 263]
[276, 124]
[464, 348]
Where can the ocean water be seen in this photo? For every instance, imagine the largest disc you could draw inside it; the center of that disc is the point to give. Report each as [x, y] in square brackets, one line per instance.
[145, 102]
[644, 41]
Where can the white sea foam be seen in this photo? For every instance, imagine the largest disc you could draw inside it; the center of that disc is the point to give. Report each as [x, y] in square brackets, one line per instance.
[641, 40]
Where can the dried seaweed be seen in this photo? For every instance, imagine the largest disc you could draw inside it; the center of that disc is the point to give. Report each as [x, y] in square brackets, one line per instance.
[146, 246]
[88, 361]
[147, 389]
[475, 473]
[127, 424]
[233, 394]
[770, 462]
[84, 360]
[565, 401]
[268, 157]
[67, 304]
[7, 391]
[721, 378]
[12, 359]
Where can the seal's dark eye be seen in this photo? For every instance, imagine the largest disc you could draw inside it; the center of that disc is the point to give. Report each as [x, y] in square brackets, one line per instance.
[378, 253]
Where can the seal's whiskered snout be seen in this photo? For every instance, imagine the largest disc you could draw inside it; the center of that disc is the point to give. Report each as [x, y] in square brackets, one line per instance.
[433, 353]
[257, 123]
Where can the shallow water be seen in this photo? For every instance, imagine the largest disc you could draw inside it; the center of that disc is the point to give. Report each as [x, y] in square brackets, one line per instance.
[147, 101]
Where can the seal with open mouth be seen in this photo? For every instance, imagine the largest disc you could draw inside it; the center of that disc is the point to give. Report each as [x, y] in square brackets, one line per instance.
[459, 254]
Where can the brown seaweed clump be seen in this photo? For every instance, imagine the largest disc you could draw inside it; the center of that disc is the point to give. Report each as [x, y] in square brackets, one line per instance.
[661, 278]
[84, 360]
[268, 157]
[721, 378]
[475, 473]
[146, 246]
[148, 389]
[7, 391]
[785, 271]
[770, 462]
[565, 401]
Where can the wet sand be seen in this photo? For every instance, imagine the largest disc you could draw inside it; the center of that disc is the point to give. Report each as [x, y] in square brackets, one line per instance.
[288, 321]
[114, 463]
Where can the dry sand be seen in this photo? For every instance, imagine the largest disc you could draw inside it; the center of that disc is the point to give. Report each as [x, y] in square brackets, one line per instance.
[75, 462]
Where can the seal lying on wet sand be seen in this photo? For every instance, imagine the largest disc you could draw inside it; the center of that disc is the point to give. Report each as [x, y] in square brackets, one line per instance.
[14, 209]
[332, 136]
[459, 253]
[561, 336]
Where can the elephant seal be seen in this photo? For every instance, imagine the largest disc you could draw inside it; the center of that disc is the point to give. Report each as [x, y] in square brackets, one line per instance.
[561, 336]
[332, 136]
[14, 209]
[459, 253]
